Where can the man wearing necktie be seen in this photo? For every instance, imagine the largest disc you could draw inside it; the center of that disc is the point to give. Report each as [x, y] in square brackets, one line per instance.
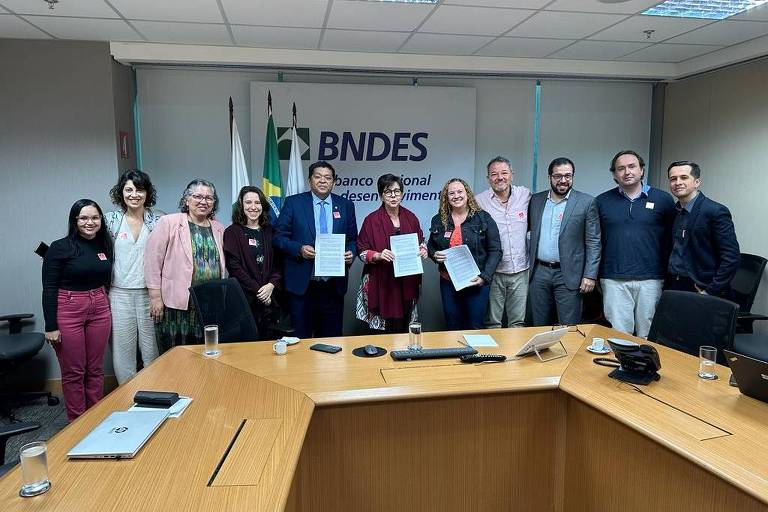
[316, 303]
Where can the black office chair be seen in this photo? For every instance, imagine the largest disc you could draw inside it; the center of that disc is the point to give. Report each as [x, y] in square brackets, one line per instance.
[8, 431]
[222, 302]
[685, 321]
[744, 287]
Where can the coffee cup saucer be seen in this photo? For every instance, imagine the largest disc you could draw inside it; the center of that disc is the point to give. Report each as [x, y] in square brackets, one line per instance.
[604, 350]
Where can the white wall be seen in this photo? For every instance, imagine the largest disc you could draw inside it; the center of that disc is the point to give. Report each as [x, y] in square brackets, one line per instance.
[185, 133]
[719, 121]
[57, 145]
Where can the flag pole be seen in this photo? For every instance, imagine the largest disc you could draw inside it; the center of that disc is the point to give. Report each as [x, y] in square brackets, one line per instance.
[231, 117]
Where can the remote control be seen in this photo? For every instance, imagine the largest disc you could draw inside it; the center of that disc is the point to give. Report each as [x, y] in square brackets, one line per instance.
[481, 358]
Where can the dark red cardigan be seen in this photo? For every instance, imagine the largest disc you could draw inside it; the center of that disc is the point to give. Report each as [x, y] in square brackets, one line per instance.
[242, 265]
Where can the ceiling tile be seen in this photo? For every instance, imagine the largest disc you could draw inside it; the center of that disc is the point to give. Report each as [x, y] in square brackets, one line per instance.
[377, 15]
[517, 4]
[759, 13]
[77, 8]
[453, 19]
[669, 53]
[86, 29]
[204, 11]
[444, 44]
[597, 50]
[190, 33]
[361, 41]
[724, 33]
[280, 13]
[632, 28]
[276, 37]
[523, 47]
[564, 25]
[11, 26]
[625, 7]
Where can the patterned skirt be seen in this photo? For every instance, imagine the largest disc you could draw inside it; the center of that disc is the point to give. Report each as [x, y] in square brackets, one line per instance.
[178, 327]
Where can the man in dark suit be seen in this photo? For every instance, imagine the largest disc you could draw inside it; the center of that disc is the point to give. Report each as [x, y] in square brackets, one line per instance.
[564, 247]
[705, 252]
[316, 303]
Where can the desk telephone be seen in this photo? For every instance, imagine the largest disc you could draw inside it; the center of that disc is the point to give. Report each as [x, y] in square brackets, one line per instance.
[634, 363]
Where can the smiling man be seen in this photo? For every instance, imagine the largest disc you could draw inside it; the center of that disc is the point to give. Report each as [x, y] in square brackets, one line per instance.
[635, 220]
[508, 205]
[705, 252]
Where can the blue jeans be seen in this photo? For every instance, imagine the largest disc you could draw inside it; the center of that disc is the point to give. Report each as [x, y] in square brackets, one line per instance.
[464, 309]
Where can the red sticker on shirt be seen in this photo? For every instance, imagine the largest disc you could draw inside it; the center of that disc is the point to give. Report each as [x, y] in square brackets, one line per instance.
[123, 236]
[252, 241]
[102, 256]
[336, 215]
[521, 214]
[560, 216]
[447, 234]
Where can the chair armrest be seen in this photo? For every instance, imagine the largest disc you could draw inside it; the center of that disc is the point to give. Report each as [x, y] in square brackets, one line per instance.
[14, 321]
[751, 316]
[14, 429]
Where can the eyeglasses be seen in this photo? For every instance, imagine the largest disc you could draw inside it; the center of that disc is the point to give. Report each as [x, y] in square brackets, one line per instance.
[503, 174]
[561, 177]
[84, 219]
[392, 193]
[200, 198]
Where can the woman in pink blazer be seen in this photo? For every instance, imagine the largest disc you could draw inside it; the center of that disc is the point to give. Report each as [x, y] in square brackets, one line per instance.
[183, 250]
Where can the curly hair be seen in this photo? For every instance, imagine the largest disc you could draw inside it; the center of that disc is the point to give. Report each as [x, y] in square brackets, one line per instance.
[141, 181]
[238, 213]
[445, 207]
[190, 189]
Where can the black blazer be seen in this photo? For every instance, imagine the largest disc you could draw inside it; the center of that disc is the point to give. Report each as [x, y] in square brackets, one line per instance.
[711, 251]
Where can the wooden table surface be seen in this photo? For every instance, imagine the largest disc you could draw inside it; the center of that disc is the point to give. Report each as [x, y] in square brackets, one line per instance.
[271, 399]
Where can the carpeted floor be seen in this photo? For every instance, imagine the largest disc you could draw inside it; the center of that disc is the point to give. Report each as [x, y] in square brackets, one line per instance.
[51, 420]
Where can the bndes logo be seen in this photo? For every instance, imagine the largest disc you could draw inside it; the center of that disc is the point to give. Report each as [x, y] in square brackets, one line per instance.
[373, 146]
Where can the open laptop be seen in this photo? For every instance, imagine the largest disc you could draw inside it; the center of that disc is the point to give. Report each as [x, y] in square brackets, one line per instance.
[751, 374]
[120, 436]
[541, 341]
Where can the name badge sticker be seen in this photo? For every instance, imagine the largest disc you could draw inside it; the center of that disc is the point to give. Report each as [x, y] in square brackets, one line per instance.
[252, 241]
[521, 214]
[336, 215]
[560, 216]
[649, 205]
[123, 236]
[102, 256]
[447, 234]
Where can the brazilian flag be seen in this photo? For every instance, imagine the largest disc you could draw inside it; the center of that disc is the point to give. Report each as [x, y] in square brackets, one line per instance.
[271, 181]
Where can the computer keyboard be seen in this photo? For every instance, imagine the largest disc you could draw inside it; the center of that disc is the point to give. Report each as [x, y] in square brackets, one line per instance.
[431, 353]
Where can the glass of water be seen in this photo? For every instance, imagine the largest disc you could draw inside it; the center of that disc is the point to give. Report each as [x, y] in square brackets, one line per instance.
[34, 469]
[707, 362]
[414, 336]
[211, 341]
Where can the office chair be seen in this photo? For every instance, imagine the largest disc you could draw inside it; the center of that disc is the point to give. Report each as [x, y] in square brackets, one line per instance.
[222, 302]
[15, 348]
[8, 431]
[744, 287]
[685, 321]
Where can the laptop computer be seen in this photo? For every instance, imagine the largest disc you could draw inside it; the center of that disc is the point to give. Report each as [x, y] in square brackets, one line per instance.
[751, 374]
[120, 436]
[541, 341]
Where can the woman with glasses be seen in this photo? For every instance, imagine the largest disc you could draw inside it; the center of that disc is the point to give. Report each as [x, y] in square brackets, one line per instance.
[129, 227]
[183, 250]
[385, 302]
[460, 221]
[76, 270]
[249, 255]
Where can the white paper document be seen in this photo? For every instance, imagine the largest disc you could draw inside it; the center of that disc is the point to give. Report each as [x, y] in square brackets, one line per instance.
[174, 411]
[329, 255]
[407, 259]
[480, 340]
[461, 266]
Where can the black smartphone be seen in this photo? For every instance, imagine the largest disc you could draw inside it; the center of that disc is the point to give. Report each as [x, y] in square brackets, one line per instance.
[322, 347]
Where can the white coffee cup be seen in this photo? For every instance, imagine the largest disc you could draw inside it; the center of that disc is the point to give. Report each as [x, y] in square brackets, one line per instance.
[598, 344]
[280, 347]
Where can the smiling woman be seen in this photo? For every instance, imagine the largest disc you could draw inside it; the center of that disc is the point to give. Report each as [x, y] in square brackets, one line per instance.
[184, 249]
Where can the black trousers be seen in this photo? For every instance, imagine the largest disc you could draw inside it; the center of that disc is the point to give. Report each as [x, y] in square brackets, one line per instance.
[319, 313]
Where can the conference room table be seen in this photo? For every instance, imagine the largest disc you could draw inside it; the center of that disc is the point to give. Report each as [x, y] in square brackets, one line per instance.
[315, 431]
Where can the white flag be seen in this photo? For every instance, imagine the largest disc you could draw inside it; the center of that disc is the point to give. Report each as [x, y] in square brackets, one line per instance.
[296, 182]
[239, 170]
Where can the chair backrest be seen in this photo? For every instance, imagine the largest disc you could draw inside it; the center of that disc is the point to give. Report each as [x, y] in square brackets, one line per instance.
[745, 283]
[686, 320]
[222, 302]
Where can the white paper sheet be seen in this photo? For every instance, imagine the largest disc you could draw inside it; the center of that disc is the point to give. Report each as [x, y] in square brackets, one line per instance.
[480, 340]
[461, 266]
[407, 259]
[329, 255]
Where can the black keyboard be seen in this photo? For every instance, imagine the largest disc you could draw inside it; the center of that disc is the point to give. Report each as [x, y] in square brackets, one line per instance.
[431, 353]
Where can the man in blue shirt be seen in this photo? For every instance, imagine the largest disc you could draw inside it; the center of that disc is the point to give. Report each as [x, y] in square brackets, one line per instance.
[635, 220]
[316, 303]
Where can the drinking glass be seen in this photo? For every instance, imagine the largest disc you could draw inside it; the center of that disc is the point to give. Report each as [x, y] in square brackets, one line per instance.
[34, 469]
[707, 362]
[211, 341]
[414, 336]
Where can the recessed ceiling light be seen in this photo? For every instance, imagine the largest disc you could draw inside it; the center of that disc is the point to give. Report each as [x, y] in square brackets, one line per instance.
[706, 9]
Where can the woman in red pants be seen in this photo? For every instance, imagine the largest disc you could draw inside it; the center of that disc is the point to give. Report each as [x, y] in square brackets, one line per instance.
[76, 269]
